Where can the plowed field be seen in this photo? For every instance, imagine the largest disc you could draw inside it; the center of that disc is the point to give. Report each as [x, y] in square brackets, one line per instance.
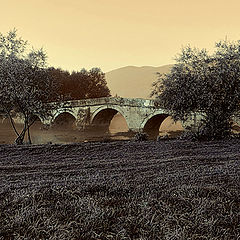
[121, 190]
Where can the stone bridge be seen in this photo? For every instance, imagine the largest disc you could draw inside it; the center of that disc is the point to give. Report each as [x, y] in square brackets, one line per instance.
[141, 115]
[96, 114]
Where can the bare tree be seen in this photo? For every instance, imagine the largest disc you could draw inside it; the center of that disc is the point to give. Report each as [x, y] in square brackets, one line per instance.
[25, 86]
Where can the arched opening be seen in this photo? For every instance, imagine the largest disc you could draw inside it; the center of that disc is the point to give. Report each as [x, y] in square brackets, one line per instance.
[109, 121]
[64, 120]
[170, 128]
[118, 127]
[153, 124]
[102, 120]
[162, 124]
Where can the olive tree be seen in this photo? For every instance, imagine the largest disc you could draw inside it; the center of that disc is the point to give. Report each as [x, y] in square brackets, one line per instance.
[25, 86]
[206, 84]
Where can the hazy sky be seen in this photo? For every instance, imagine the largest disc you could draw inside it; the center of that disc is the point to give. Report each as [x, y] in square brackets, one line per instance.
[114, 33]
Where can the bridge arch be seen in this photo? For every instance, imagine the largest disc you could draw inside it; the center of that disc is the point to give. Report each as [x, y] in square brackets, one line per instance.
[61, 111]
[152, 124]
[102, 117]
[64, 118]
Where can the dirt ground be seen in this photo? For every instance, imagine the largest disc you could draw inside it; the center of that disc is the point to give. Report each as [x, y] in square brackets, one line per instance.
[96, 162]
[121, 190]
[118, 130]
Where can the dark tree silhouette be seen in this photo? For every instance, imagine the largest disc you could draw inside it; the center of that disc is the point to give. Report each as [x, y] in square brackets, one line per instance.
[25, 86]
[80, 85]
[206, 84]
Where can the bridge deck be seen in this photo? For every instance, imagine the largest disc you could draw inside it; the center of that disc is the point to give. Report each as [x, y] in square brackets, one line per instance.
[133, 102]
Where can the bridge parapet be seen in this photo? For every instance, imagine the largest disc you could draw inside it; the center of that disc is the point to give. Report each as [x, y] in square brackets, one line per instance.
[132, 102]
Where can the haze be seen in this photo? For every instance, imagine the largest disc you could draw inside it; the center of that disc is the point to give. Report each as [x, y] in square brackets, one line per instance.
[110, 34]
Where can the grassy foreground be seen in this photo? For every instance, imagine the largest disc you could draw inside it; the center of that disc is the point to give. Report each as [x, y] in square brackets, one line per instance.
[121, 190]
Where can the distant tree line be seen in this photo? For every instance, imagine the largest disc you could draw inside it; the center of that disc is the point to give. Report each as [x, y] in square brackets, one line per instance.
[79, 84]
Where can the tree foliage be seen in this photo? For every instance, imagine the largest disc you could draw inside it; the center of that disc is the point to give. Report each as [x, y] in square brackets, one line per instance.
[80, 85]
[203, 83]
[25, 85]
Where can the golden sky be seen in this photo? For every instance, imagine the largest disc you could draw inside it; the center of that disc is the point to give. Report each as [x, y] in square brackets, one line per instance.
[115, 33]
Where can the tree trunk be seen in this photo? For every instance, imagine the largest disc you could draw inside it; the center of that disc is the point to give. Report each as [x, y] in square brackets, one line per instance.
[29, 136]
[28, 129]
[13, 124]
[20, 139]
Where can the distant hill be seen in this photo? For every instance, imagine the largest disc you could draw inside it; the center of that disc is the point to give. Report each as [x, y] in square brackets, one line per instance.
[134, 82]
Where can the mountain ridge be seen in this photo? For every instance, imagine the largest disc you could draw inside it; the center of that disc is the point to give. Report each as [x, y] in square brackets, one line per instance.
[134, 81]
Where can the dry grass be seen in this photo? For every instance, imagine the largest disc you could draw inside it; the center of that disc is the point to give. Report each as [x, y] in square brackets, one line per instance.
[121, 190]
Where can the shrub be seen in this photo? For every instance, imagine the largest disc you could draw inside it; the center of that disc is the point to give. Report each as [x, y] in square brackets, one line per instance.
[141, 136]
